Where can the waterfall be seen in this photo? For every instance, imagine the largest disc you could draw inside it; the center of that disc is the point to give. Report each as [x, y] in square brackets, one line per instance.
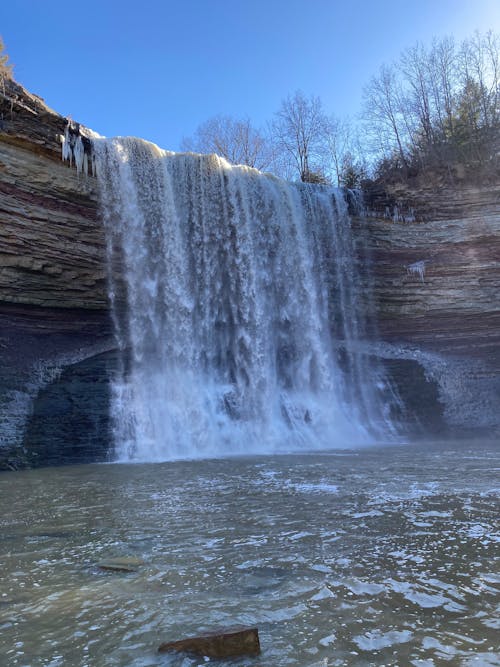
[235, 298]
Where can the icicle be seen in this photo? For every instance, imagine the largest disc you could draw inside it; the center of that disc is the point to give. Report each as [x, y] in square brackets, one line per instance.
[410, 217]
[66, 145]
[62, 139]
[73, 149]
[417, 269]
[78, 152]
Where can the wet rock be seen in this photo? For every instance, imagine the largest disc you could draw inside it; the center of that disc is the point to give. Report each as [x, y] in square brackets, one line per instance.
[431, 256]
[224, 644]
[122, 564]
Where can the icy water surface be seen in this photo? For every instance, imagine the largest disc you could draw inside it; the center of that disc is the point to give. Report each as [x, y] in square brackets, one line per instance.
[382, 556]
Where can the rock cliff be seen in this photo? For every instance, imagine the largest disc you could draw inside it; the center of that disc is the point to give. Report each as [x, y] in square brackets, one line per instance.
[434, 258]
[430, 257]
[54, 312]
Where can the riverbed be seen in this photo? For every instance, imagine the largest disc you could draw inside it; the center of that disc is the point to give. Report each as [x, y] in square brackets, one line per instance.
[374, 556]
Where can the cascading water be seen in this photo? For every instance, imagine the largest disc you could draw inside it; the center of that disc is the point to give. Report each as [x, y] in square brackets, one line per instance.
[240, 329]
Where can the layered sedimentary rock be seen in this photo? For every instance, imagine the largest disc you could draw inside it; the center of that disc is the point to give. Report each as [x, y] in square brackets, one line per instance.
[431, 258]
[434, 257]
[53, 297]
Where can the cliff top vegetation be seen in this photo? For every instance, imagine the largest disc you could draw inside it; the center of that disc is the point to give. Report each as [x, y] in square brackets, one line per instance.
[436, 111]
[432, 116]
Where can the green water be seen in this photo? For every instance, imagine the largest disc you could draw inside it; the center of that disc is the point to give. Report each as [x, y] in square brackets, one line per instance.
[383, 556]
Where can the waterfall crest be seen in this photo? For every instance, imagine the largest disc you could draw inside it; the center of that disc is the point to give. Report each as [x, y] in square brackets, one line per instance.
[242, 326]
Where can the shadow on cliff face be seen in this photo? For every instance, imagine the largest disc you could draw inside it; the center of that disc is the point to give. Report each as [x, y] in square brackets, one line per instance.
[70, 421]
[67, 420]
[419, 411]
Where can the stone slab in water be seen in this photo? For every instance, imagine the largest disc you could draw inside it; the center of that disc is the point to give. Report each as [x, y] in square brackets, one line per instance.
[123, 564]
[226, 644]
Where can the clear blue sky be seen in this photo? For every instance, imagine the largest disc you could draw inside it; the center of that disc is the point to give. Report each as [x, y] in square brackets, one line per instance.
[158, 68]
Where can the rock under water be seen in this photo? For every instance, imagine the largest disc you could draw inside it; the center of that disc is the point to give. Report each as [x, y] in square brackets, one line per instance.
[220, 644]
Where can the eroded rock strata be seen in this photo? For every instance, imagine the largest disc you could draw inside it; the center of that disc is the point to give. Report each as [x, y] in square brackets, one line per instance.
[54, 315]
[431, 258]
[435, 283]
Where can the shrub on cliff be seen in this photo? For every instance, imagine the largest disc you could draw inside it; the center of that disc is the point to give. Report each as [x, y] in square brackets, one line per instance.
[6, 69]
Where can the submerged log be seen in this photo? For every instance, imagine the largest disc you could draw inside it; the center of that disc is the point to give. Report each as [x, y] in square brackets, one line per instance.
[225, 644]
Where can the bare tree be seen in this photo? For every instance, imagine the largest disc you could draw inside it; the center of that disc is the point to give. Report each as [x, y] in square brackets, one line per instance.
[438, 107]
[234, 140]
[492, 54]
[481, 63]
[443, 72]
[386, 113]
[299, 133]
[416, 71]
[338, 143]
